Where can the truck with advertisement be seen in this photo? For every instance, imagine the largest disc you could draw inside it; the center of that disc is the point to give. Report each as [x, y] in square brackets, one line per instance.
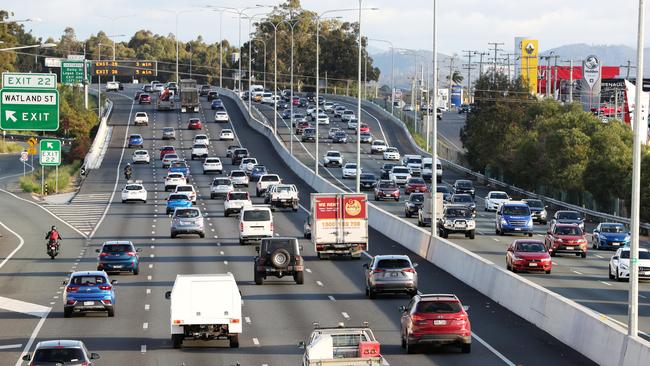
[189, 95]
[339, 224]
[165, 100]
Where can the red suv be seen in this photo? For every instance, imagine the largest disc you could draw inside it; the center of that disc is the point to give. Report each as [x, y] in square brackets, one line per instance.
[194, 124]
[528, 255]
[166, 150]
[435, 319]
[566, 238]
[301, 127]
[144, 99]
[415, 185]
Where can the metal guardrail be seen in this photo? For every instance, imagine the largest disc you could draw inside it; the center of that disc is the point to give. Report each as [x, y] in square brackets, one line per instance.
[645, 227]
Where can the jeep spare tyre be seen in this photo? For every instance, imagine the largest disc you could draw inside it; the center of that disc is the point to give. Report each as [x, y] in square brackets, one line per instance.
[280, 258]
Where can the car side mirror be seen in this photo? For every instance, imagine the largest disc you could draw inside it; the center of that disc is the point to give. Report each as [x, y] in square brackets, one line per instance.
[257, 249]
[510, 249]
[300, 247]
[301, 344]
[94, 356]
[546, 206]
[365, 265]
[596, 231]
[615, 257]
[114, 282]
[168, 295]
[97, 250]
[402, 309]
[27, 358]
[415, 265]
[548, 232]
[138, 250]
[466, 307]
[64, 282]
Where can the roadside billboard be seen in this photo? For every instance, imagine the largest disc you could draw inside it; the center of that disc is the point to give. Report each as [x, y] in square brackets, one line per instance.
[528, 63]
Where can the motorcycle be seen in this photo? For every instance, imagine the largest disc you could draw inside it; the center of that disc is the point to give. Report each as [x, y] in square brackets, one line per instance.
[127, 175]
[53, 248]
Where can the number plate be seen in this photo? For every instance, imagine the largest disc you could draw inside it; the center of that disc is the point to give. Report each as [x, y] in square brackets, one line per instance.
[532, 264]
[647, 273]
[439, 322]
[89, 303]
[569, 248]
[117, 266]
[517, 228]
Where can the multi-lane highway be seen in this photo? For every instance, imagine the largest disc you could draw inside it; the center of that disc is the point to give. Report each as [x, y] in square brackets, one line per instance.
[583, 280]
[277, 315]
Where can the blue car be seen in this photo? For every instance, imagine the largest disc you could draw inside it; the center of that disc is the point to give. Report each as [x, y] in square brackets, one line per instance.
[89, 291]
[177, 200]
[118, 256]
[179, 167]
[136, 140]
[610, 235]
[216, 104]
[286, 114]
[340, 137]
[514, 217]
[257, 172]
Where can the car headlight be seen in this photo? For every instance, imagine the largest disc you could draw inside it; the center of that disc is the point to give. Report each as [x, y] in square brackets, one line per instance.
[517, 258]
[504, 221]
[543, 213]
[624, 266]
[448, 222]
[627, 238]
[530, 222]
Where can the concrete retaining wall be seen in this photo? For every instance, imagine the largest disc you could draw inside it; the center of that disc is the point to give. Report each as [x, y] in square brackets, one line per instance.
[577, 326]
[94, 158]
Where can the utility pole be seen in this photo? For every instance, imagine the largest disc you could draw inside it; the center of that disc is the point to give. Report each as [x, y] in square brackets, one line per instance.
[628, 67]
[555, 82]
[480, 62]
[507, 57]
[469, 72]
[494, 61]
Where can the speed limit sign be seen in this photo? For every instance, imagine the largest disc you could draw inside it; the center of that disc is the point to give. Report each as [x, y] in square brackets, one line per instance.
[23, 156]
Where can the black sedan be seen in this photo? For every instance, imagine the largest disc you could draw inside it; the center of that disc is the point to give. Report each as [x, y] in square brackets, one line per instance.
[340, 137]
[368, 181]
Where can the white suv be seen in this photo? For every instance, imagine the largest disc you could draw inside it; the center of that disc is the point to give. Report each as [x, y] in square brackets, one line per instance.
[378, 146]
[333, 157]
[187, 189]
[141, 118]
[199, 150]
[265, 181]
[235, 201]
[255, 223]
[212, 165]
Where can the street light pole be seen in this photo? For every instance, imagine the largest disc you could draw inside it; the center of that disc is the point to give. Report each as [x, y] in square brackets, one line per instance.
[633, 301]
[434, 138]
[358, 175]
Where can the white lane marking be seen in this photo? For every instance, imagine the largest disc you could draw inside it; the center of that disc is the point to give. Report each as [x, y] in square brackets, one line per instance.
[10, 346]
[149, 278]
[308, 270]
[247, 320]
[256, 341]
[225, 262]
[151, 265]
[331, 298]
[493, 350]
[145, 325]
[21, 242]
[117, 173]
[606, 283]
[495, 239]
[147, 307]
[319, 283]
[599, 256]
[221, 252]
[32, 337]
[554, 263]
[345, 315]
[576, 272]
[148, 291]
[24, 307]
[143, 348]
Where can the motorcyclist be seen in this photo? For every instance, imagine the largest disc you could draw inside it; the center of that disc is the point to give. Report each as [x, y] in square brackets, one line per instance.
[128, 171]
[53, 236]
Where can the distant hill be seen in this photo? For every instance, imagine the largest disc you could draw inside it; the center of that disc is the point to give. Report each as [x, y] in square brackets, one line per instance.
[610, 55]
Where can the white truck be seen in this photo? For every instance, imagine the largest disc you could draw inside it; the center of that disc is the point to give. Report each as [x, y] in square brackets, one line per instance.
[284, 195]
[424, 213]
[342, 346]
[339, 224]
[205, 307]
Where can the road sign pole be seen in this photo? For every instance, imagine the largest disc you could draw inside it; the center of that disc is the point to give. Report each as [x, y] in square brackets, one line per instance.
[56, 185]
[24, 168]
[42, 180]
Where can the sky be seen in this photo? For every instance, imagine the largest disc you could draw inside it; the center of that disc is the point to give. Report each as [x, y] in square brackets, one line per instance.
[462, 24]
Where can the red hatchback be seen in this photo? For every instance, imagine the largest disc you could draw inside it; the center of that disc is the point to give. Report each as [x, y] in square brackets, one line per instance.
[296, 101]
[144, 99]
[566, 238]
[415, 185]
[301, 127]
[435, 319]
[528, 255]
[364, 128]
[166, 150]
[194, 124]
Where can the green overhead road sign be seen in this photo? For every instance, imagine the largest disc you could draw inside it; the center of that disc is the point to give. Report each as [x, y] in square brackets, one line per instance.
[50, 154]
[29, 109]
[72, 72]
[19, 80]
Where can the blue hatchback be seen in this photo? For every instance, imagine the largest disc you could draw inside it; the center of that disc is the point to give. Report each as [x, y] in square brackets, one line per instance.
[136, 140]
[89, 291]
[610, 235]
[177, 200]
[118, 256]
[514, 217]
[216, 104]
[179, 167]
[257, 172]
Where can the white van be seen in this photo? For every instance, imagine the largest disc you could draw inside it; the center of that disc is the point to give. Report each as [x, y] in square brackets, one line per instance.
[255, 223]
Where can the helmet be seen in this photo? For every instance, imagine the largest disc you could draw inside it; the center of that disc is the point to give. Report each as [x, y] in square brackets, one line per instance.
[128, 164]
[53, 227]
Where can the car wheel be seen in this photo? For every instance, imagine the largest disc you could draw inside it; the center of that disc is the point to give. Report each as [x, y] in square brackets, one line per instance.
[616, 275]
[111, 312]
[136, 271]
[403, 341]
[593, 244]
[530, 235]
[609, 272]
[552, 254]
[242, 242]
[177, 340]
[472, 234]
[396, 199]
[508, 266]
[496, 231]
[299, 277]
[67, 313]
[548, 272]
[173, 235]
[407, 214]
[466, 348]
[259, 280]
[410, 348]
[234, 341]
[583, 255]
[372, 294]
[226, 213]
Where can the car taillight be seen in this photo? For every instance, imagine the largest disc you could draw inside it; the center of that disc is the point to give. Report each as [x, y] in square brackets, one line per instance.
[409, 270]
[418, 320]
[234, 321]
[85, 363]
[105, 287]
[271, 226]
[106, 302]
[377, 270]
[131, 254]
[71, 302]
[103, 254]
[71, 289]
[241, 226]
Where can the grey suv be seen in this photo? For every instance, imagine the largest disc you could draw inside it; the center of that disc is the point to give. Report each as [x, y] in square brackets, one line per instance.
[187, 221]
[309, 134]
[61, 352]
[390, 273]
[279, 257]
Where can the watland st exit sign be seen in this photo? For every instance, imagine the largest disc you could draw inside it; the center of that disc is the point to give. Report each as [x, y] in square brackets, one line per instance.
[29, 102]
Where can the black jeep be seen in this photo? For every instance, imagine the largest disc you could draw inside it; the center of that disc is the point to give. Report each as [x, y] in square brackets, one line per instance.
[279, 257]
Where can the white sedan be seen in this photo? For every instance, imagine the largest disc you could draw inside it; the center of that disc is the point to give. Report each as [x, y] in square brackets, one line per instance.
[323, 119]
[226, 135]
[212, 165]
[187, 189]
[221, 116]
[378, 146]
[350, 170]
[202, 139]
[391, 153]
[134, 192]
[619, 265]
[141, 156]
[494, 199]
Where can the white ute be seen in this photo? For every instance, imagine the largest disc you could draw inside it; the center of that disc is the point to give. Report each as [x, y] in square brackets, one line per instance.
[205, 307]
[349, 346]
[265, 181]
[200, 150]
[284, 195]
[141, 118]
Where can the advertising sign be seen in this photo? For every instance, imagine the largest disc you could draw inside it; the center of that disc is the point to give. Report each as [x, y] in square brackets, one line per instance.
[591, 70]
[529, 50]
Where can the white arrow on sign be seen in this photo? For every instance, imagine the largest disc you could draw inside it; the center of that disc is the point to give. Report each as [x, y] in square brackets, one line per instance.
[9, 116]
[50, 145]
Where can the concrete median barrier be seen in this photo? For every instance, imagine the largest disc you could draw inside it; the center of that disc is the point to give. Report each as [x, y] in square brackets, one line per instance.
[595, 336]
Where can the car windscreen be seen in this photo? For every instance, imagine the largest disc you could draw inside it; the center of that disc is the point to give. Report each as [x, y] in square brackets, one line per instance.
[389, 184]
[335, 154]
[199, 146]
[240, 151]
[140, 114]
[186, 213]
[416, 181]
[414, 161]
[427, 165]
[568, 215]
[499, 196]
[212, 160]
[393, 263]
[287, 244]
[87, 280]
[612, 228]
[401, 170]
[257, 215]
[178, 164]
[387, 167]
[221, 182]
[283, 188]
[117, 248]
[59, 355]
[270, 178]
[442, 189]
[530, 247]
[176, 197]
[368, 177]
[238, 196]
[568, 230]
[170, 156]
[237, 174]
[184, 189]
[140, 153]
[464, 184]
[535, 203]
[438, 307]
[350, 166]
[642, 254]
[416, 198]
[461, 198]
[516, 210]
[133, 187]
[347, 340]
[458, 212]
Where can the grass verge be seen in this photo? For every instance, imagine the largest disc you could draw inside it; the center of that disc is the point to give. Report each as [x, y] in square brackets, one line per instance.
[67, 173]
[10, 147]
